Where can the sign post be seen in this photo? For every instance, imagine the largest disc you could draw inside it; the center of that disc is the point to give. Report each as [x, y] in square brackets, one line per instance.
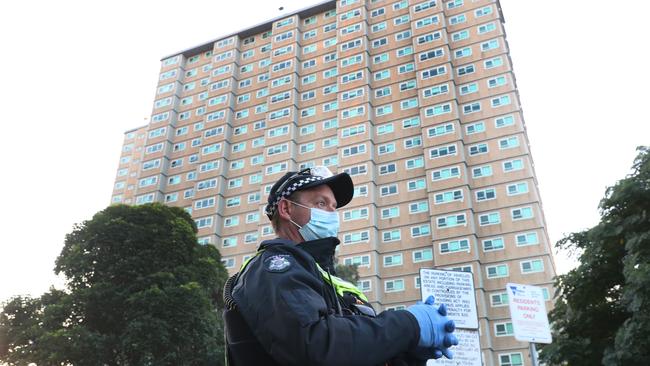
[529, 318]
[456, 290]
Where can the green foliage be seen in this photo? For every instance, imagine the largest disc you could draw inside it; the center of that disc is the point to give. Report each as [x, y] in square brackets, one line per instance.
[141, 291]
[348, 272]
[602, 313]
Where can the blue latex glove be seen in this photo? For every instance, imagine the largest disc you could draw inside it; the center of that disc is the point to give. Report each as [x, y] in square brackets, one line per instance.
[435, 329]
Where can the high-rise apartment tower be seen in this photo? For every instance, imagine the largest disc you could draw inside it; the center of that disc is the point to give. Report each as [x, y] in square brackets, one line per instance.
[416, 100]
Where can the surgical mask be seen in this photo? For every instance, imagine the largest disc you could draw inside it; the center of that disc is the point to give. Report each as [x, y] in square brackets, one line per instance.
[322, 224]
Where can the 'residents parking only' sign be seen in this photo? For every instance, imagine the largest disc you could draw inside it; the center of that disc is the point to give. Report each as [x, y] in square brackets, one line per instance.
[528, 313]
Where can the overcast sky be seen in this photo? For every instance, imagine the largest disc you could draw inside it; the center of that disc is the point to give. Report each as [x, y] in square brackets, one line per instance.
[77, 74]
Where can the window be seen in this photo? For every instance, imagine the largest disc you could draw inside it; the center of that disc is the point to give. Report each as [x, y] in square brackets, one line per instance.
[331, 142]
[360, 191]
[517, 188]
[390, 212]
[521, 213]
[532, 266]
[445, 173]
[485, 194]
[435, 90]
[491, 218]
[437, 110]
[440, 130]
[451, 221]
[231, 221]
[407, 85]
[252, 217]
[463, 52]
[352, 60]
[409, 104]
[211, 165]
[233, 202]
[424, 56]
[414, 163]
[422, 230]
[417, 184]
[512, 165]
[149, 181]
[509, 143]
[176, 179]
[468, 88]
[500, 101]
[493, 244]
[357, 75]
[308, 147]
[476, 127]
[499, 299]
[394, 285]
[204, 203]
[482, 171]
[500, 270]
[391, 235]
[442, 151]
[526, 239]
[461, 245]
[381, 75]
[471, 108]
[387, 169]
[356, 237]
[504, 121]
[331, 160]
[492, 63]
[418, 207]
[503, 329]
[355, 214]
[378, 27]
[386, 148]
[427, 38]
[364, 285]
[276, 168]
[204, 222]
[461, 18]
[486, 28]
[465, 70]
[393, 260]
[235, 183]
[404, 51]
[353, 112]
[449, 196]
[459, 36]
[426, 21]
[489, 45]
[432, 72]
[510, 359]
[360, 260]
[478, 149]
[379, 42]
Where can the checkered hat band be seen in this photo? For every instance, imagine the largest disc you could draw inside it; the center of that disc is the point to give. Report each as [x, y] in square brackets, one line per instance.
[289, 190]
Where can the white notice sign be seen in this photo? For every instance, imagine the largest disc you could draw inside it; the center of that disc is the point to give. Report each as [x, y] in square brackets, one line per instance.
[467, 353]
[454, 289]
[528, 313]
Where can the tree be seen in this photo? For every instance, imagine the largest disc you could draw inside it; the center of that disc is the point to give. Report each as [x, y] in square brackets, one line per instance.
[602, 313]
[348, 272]
[140, 291]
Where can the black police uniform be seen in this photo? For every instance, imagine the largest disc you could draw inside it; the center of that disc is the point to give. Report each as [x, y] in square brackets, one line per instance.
[282, 312]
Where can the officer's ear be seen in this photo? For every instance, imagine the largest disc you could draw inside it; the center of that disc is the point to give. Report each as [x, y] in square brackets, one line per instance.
[284, 209]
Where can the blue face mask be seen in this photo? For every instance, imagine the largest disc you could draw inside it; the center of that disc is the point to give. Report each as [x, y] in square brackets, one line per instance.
[322, 224]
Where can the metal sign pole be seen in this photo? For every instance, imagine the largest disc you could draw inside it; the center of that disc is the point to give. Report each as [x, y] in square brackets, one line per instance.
[533, 354]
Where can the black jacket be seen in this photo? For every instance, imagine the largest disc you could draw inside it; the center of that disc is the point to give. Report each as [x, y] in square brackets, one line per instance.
[289, 308]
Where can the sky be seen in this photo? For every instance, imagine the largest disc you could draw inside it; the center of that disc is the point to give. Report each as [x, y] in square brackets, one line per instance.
[78, 74]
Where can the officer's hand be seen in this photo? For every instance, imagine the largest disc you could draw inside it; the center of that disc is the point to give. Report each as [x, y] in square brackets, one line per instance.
[435, 330]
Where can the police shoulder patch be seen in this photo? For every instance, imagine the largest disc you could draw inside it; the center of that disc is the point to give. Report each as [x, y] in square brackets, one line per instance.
[277, 263]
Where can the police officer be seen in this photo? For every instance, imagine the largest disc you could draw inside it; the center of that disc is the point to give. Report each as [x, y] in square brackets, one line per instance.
[287, 307]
